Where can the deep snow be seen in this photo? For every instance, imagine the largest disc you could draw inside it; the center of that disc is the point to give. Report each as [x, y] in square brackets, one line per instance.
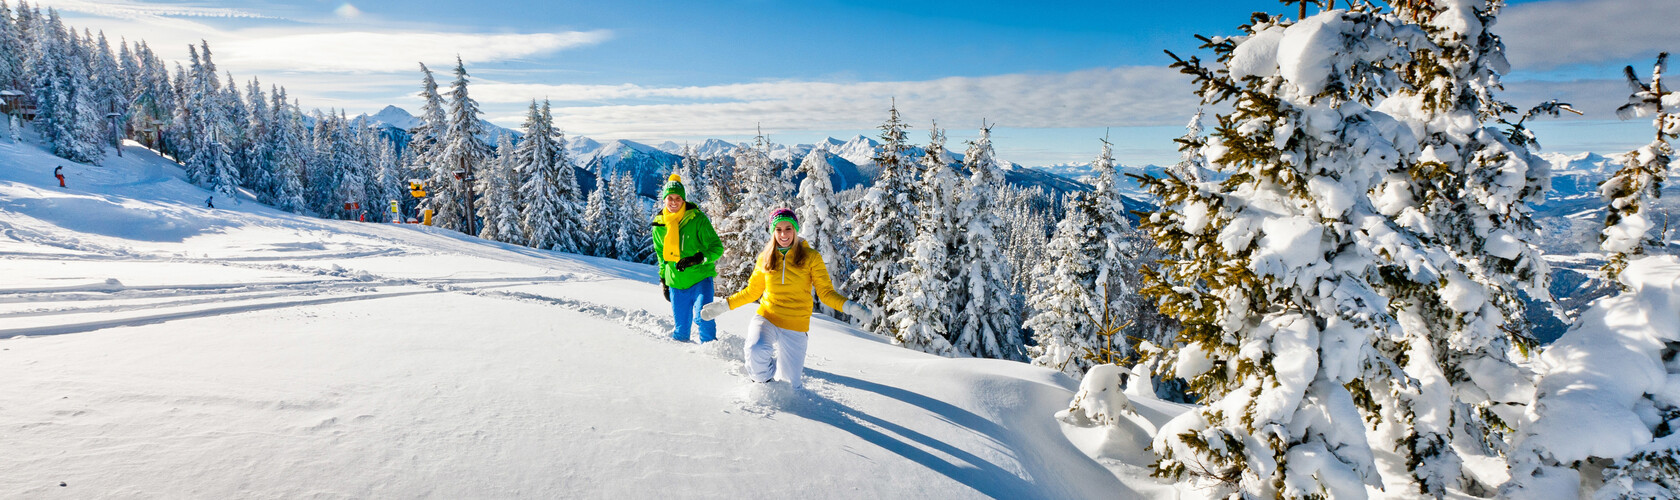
[152, 347]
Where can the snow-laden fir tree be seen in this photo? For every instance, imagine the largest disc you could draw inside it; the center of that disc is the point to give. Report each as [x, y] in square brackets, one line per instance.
[820, 218]
[1464, 191]
[743, 230]
[884, 222]
[63, 93]
[258, 155]
[692, 168]
[498, 207]
[1631, 193]
[110, 93]
[551, 219]
[984, 319]
[12, 50]
[1191, 163]
[459, 150]
[599, 233]
[290, 148]
[1029, 224]
[390, 182]
[1606, 411]
[919, 309]
[1278, 272]
[1065, 299]
[632, 240]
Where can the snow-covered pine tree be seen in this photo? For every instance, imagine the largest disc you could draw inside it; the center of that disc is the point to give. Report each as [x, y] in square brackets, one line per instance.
[389, 181]
[259, 151]
[819, 218]
[1065, 300]
[1191, 163]
[460, 151]
[498, 209]
[549, 189]
[1631, 193]
[985, 320]
[426, 141]
[692, 169]
[63, 93]
[1464, 190]
[289, 145]
[920, 311]
[884, 221]
[744, 230]
[110, 93]
[1276, 271]
[1027, 216]
[12, 50]
[599, 234]
[632, 242]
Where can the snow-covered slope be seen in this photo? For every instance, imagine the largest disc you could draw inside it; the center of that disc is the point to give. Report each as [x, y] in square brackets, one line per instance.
[153, 347]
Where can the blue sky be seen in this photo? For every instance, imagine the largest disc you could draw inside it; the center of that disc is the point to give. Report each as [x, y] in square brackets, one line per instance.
[1054, 78]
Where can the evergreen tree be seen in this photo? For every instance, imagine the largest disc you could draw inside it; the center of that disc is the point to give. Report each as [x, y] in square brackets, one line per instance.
[1278, 271]
[499, 209]
[551, 219]
[1631, 193]
[290, 144]
[1464, 191]
[1065, 302]
[819, 221]
[920, 311]
[630, 227]
[743, 230]
[883, 222]
[985, 310]
[691, 168]
[599, 232]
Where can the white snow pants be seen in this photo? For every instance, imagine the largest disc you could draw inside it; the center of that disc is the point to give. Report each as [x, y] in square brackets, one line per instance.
[773, 350]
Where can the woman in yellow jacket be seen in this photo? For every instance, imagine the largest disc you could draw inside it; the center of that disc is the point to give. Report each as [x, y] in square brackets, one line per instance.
[787, 275]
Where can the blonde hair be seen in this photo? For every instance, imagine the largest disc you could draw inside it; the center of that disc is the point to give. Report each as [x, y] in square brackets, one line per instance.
[772, 258]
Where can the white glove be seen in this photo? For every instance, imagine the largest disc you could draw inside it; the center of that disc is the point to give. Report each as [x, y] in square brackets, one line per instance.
[856, 310]
[713, 309]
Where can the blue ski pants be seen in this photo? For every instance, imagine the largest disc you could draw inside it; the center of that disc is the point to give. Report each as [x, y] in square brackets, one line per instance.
[685, 309]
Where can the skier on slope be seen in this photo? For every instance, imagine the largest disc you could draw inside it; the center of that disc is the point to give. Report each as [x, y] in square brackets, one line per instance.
[786, 275]
[688, 249]
[59, 173]
[210, 202]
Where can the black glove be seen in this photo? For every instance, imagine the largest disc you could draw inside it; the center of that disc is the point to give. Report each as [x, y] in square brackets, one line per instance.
[667, 289]
[690, 261]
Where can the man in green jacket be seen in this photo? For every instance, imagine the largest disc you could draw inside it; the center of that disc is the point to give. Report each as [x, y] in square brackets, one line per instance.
[688, 249]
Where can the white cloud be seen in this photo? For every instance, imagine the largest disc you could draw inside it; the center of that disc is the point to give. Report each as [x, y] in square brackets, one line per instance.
[1130, 96]
[126, 9]
[375, 52]
[1546, 35]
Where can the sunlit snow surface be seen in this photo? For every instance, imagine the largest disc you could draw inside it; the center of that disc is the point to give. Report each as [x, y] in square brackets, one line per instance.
[152, 347]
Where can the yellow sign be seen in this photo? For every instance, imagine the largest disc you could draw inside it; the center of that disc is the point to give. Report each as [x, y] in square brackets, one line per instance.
[394, 208]
[414, 188]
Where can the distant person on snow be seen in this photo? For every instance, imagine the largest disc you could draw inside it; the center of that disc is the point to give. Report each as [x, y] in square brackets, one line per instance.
[688, 249]
[210, 202]
[788, 272]
[59, 173]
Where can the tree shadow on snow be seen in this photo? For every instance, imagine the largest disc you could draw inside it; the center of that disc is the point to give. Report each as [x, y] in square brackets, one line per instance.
[961, 466]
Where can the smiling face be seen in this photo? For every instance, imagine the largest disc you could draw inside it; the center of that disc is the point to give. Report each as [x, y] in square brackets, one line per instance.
[673, 202]
[785, 234]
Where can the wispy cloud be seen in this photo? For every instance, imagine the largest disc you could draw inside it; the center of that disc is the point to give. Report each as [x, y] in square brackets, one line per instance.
[376, 52]
[1128, 96]
[1547, 35]
[127, 9]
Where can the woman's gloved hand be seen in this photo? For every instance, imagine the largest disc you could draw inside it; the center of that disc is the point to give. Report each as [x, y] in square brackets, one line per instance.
[858, 311]
[714, 309]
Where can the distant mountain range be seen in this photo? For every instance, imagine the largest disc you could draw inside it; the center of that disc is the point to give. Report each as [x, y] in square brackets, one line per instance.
[852, 161]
